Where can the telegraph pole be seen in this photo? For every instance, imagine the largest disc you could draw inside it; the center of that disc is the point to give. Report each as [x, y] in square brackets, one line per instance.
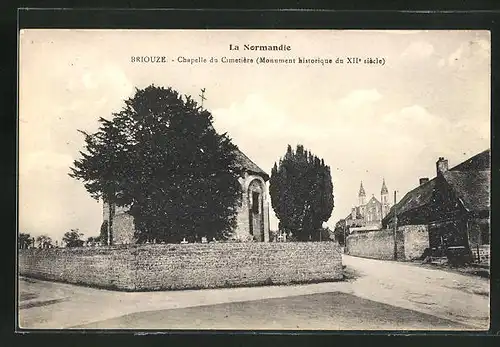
[345, 237]
[395, 228]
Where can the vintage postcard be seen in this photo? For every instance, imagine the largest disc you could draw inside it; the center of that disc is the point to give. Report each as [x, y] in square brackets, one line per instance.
[254, 179]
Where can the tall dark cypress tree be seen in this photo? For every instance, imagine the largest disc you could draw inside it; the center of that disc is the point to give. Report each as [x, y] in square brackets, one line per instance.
[301, 192]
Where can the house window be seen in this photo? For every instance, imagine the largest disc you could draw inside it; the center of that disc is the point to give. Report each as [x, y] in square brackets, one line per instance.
[255, 202]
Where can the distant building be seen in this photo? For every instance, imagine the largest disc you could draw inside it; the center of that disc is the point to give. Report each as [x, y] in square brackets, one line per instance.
[368, 215]
[454, 207]
[252, 218]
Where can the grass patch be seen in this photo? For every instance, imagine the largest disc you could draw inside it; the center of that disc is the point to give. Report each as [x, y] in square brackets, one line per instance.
[39, 303]
[350, 274]
[464, 270]
[268, 281]
[27, 296]
[26, 279]
[481, 292]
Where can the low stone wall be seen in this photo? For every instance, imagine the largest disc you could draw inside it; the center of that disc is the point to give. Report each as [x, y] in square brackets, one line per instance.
[416, 240]
[411, 241]
[377, 244]
[190, 266]
[481, 254]
[106, 267]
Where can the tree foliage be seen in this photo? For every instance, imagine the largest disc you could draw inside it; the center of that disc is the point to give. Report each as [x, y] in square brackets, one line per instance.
[73, 238]
[103, 233]
[44, 241]
[327, 234]
[301, 193]
[161, 157]
[340, 231]
[24, 241]
[93, 240]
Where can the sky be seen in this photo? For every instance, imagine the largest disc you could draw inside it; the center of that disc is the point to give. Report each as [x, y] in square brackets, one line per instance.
[430, 99]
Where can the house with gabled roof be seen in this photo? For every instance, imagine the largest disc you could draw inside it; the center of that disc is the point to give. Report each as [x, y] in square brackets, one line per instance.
[453, 208]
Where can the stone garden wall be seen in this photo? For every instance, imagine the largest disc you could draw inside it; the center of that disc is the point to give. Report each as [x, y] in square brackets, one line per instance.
[377, 244]
[416, 240]
[411, 240]
[186, 266]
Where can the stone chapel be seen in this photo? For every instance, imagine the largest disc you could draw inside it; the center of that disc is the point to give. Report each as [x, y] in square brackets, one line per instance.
[252, 217]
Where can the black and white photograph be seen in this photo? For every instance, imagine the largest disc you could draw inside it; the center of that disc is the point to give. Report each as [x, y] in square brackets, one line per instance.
[254, 180]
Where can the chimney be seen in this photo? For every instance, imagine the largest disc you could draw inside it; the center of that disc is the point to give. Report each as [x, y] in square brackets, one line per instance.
[441, 165]
[424, 180]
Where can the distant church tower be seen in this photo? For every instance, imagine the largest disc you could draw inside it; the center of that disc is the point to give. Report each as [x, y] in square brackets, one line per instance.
[384, 199]
[361, 195]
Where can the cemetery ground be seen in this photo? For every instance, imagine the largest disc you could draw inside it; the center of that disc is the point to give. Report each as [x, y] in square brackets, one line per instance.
[376, 295]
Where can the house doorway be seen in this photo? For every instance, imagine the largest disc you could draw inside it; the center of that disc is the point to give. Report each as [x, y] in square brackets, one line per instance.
[446, 234]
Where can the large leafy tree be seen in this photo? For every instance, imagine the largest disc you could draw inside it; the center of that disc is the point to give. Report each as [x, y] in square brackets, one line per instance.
[73, 238]
[102, 166]
[161, 157]
[301, 193]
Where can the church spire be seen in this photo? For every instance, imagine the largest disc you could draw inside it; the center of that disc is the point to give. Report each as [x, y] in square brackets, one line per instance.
[384, 194]
[361, 190]
[361, 195]
[384, 188]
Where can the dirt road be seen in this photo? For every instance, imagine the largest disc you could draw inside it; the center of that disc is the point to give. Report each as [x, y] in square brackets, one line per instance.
[438, 300]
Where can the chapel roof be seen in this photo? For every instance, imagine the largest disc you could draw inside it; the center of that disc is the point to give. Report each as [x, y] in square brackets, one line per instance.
[248, 165]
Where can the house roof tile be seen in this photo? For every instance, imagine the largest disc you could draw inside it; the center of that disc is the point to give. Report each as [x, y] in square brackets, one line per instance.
[470, 180]
[471, 187]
